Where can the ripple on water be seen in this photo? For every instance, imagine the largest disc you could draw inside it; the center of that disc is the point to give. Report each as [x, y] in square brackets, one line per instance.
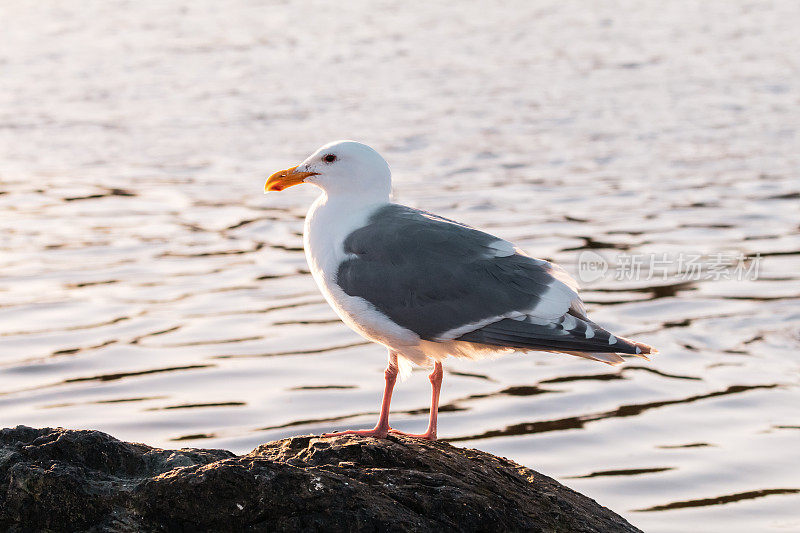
[148, 289]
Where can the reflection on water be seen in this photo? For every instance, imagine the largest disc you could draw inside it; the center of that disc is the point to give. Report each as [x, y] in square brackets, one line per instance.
[148, 289]
[577, 422]
[626, 472]
[750, 495]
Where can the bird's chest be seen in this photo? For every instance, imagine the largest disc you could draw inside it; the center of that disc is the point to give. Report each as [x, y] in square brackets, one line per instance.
[327, 226]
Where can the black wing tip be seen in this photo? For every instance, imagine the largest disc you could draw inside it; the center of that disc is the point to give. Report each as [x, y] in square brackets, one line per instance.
[524, 335]
[640, 349]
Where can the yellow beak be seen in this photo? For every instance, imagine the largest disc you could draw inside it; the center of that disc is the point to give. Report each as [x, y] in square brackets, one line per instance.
[286, 178]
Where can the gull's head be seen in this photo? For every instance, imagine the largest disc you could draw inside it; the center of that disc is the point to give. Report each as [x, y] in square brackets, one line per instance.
[341, 167]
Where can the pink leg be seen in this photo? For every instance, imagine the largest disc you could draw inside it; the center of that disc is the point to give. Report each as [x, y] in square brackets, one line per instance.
[382, 428]
[436, 386]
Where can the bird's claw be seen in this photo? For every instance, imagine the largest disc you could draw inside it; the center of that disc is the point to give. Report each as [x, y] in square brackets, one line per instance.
[428, 435]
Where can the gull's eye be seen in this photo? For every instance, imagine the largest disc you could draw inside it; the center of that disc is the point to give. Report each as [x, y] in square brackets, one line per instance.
[329, 158]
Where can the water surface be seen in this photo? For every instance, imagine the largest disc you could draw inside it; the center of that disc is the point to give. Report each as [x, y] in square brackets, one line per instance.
[149, 289]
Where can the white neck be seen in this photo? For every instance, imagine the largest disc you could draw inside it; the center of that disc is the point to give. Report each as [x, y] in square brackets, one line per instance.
[330, 219]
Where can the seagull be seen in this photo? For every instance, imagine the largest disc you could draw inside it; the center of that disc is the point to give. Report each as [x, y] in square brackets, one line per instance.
[427, 287]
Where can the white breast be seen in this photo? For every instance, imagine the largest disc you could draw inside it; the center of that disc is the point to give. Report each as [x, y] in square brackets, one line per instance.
[328, 223]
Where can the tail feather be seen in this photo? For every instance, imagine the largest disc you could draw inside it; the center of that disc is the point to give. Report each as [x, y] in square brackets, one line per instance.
[612, 359]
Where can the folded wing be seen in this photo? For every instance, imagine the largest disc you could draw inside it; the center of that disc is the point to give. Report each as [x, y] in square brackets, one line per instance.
[446, 281]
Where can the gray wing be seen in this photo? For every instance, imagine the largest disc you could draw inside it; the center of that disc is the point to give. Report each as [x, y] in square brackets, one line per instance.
[443, 281]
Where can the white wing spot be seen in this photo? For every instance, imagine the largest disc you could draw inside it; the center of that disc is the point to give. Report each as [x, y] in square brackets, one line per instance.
[638, 350]
[569, 322]
[501, 248]
[589, 331]
[612, 339]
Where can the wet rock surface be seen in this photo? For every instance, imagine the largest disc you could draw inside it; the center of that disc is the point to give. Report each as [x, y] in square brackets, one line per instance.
[62, 479]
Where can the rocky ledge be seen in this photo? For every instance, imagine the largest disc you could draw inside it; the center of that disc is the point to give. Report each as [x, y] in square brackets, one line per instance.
[59, 479]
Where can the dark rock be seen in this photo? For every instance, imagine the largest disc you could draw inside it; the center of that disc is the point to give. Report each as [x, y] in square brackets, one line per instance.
[58, 479]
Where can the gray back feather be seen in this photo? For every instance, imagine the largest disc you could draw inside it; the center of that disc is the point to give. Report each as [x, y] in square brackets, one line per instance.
[431, 275]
